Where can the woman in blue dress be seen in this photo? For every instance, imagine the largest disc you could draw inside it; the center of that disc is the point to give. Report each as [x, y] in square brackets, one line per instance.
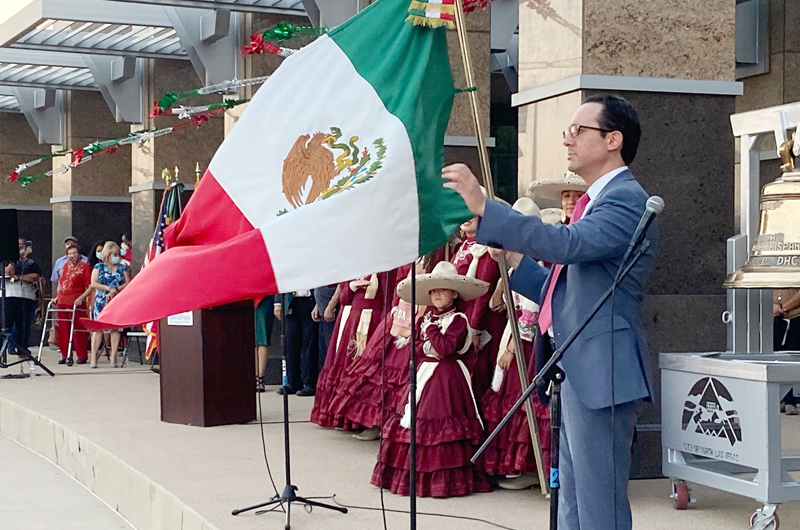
[109, 277]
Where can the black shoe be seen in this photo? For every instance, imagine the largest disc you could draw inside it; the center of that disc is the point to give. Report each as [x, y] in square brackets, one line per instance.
[80, 361]
[69, 361]
[286, 390]
[306, 391]
[62, 360]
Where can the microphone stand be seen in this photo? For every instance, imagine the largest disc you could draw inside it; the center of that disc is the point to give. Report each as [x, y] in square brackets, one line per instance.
[553, 375]
[288, 495]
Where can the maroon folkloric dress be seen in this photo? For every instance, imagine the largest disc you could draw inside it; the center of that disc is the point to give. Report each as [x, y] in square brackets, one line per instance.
[511, 452]
[362, 310]
[448, 426]
[363, 399]
[473, 260]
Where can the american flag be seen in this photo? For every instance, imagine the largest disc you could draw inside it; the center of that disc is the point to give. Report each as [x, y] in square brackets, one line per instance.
[155, 248]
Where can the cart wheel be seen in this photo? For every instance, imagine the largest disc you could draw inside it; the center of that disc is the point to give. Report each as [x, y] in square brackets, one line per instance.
[755, 523]
[680, 497]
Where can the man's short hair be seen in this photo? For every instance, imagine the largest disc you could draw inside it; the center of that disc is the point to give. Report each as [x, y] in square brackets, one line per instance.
[619, 115]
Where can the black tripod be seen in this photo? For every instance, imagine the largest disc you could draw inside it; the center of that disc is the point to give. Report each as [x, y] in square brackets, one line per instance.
[288, 495]
[552, 375]
[6, 344]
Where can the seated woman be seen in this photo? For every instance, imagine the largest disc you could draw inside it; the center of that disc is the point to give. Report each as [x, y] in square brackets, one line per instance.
[448, 425]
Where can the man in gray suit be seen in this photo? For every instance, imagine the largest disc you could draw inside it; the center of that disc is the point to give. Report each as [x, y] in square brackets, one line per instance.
[603, 386]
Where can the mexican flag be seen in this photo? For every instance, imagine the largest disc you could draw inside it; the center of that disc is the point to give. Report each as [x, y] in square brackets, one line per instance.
[332, 172]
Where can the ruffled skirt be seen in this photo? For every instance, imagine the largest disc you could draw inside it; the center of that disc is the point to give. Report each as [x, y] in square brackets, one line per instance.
[511, 451]
[448, 433]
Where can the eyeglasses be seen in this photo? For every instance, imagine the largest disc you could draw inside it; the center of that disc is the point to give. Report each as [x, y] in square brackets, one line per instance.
[574, 130]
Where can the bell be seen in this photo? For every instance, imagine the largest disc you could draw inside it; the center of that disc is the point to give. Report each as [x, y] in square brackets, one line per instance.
[774, 261]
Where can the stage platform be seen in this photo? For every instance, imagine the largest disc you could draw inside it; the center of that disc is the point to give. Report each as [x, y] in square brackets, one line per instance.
[102, 427]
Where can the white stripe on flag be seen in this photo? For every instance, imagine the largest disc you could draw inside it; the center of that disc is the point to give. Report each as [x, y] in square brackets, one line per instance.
[349, 233]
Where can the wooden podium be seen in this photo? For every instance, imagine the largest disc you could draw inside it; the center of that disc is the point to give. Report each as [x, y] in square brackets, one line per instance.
[208, 366]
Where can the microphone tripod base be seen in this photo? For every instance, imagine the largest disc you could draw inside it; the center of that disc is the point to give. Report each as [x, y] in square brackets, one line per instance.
[287, 497]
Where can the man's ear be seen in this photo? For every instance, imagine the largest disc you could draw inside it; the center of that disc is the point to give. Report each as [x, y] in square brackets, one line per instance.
[614, 140]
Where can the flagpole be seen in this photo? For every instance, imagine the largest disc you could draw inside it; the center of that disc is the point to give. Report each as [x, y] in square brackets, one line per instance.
[412, 399]
[486, 173]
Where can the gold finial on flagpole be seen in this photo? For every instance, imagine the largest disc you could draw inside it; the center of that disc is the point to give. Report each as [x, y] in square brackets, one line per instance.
[176, 173]
[167, 176]
[197, 173]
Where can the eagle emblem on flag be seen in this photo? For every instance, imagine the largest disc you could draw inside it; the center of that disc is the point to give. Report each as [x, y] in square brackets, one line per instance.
[333, 166]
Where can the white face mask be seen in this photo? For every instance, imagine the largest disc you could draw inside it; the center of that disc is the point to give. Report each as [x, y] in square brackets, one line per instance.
[125, 246]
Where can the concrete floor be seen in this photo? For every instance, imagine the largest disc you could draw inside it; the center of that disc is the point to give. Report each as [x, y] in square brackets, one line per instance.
[215, 470]
[37, 495]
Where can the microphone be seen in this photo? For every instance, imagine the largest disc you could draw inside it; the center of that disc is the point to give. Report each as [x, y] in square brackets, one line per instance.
[654, 206]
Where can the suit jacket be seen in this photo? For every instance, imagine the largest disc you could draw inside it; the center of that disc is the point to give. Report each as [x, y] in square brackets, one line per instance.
[592, 249]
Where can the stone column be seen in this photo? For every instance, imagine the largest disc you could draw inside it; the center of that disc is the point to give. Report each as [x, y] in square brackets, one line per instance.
[183, 149]
[18, 144]
[90, 201]
[674, 61]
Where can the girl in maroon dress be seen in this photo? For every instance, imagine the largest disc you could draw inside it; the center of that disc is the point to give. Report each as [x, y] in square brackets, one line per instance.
[473, 260]
[511, 453]
[448, 427]
[363, 306]
[359, 401]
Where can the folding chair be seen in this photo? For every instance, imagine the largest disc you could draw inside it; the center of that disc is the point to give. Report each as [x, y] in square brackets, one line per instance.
[133, 336]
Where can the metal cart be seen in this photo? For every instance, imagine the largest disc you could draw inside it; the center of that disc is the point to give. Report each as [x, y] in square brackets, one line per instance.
[721, 427]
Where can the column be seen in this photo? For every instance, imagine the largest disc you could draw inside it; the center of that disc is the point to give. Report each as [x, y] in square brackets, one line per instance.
[676, 65]
[18, 144]
[90, 201]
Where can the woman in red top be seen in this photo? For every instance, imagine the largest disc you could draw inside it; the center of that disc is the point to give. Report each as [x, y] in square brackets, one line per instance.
[73, 288]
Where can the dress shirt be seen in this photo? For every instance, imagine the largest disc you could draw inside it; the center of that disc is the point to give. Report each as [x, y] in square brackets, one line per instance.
[598, 185]
[593, 191]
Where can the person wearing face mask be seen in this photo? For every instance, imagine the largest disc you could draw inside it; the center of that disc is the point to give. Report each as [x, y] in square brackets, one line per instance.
[125, 250]
[21, 295]
[58, 266]
[109, 277]
[55, 276]
[96, 256]
[74, 286]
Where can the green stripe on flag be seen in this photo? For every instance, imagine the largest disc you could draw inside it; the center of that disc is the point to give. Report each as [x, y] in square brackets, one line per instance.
[409, 68]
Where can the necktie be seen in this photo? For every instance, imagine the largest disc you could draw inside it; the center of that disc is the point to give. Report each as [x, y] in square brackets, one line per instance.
[546, 312]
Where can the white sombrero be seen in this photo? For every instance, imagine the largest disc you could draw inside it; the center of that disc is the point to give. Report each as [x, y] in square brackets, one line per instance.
[498, 199]
[526, 206]
[552, 188]
[552, 216]
[443, 276]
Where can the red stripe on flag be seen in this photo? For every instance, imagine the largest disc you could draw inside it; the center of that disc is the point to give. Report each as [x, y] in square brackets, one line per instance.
[210, 217]
[187, 278]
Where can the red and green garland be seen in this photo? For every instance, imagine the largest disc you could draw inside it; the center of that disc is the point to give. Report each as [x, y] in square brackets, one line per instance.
[268, 41]
[107, 147]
